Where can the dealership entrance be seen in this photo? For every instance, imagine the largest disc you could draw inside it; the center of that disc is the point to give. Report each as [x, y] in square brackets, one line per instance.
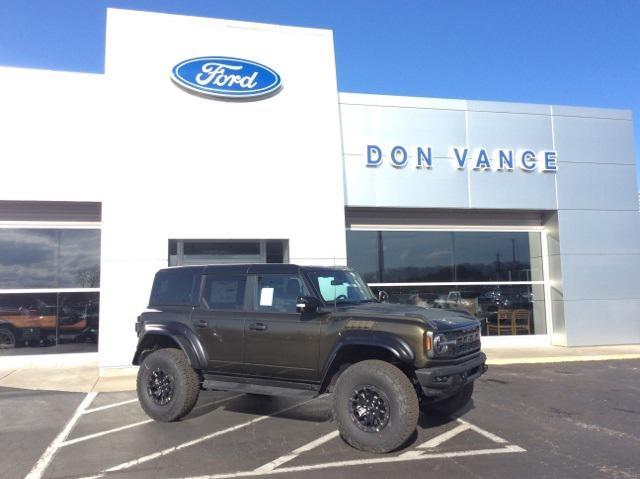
[491, 268]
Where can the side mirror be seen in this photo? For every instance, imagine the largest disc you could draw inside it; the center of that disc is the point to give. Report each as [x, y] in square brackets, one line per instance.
[307, 304]
[383, 296]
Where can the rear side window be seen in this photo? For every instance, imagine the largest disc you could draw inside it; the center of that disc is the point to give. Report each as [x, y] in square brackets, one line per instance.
[224, 292]
[173, 287]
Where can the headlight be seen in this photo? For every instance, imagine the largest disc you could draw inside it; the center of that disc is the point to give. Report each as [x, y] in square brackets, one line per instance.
[438, 344]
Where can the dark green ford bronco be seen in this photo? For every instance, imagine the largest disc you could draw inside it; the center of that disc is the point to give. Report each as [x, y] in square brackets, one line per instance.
[281, 329]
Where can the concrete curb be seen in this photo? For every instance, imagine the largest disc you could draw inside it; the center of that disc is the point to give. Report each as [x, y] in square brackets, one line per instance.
[561, 359]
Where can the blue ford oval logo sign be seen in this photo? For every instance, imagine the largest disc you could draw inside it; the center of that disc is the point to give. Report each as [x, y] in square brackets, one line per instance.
[226, 77]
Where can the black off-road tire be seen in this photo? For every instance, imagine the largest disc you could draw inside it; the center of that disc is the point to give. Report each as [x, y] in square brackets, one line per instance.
[399, 394]
[186, 385]
[7, 338]
[451, 405]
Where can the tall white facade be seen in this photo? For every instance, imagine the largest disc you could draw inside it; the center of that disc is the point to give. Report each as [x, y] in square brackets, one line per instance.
[168, 164]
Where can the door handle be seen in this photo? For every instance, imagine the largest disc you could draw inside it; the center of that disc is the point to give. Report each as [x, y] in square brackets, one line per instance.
[202, 323]
[258, 326]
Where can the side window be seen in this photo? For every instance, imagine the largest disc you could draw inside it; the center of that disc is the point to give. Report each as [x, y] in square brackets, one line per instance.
[173, 288]
[278, 293]
[224, 292]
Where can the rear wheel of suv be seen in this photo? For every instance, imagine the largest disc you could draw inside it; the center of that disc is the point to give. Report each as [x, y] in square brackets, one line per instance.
[167, 386]
[375, 406]
[453, 404]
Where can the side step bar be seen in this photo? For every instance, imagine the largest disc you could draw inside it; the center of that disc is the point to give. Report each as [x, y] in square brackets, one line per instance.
[296, 390]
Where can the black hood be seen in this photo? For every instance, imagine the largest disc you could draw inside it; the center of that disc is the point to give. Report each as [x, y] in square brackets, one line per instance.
[436, 319]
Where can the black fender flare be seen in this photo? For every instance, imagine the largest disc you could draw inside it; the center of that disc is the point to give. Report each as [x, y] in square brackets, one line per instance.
[180, 333]
[389, 342]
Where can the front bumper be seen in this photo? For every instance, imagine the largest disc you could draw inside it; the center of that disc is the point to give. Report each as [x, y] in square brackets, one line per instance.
[443, 381]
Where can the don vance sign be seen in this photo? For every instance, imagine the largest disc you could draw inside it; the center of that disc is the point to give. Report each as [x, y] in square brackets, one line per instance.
[461, 157]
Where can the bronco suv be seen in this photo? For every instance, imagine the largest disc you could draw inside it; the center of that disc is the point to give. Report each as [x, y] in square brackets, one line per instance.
[281, 329]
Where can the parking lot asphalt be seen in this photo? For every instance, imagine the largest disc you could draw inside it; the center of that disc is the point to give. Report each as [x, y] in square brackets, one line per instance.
[564, 420]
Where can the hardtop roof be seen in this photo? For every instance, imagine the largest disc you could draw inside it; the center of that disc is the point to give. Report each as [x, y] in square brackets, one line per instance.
[254, 268]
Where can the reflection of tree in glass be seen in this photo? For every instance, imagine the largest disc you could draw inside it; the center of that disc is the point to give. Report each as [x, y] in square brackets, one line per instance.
[89, 278]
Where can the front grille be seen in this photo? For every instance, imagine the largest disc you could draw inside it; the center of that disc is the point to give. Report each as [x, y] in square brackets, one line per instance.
[467, 340]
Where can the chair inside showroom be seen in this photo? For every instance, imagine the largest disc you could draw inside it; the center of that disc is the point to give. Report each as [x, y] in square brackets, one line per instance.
[522, 321]
[504, 323]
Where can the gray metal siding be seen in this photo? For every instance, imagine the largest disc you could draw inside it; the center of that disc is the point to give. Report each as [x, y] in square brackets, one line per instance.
[593, 239]
[599, 226]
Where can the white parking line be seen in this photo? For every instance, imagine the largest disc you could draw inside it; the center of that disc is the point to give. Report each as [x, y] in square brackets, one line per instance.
[103, 433]
[38, 469]
[436, 441]
[487, 434]
[365, 462]
[414, 455]
[169, 450]
[272, 467]
[296, 452]
[136, 424]
[109, 406]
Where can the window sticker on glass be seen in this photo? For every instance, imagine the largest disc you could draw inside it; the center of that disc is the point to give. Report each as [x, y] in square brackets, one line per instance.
[266, 297]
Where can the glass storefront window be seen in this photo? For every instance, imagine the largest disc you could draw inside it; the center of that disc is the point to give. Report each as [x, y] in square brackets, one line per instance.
[35, 323]
[389, 260]
[502, 310]
[49, 258]
[79, 259]
[27, 258]
[488, 256]
[363, 253]
[441, 256]
[416, 256]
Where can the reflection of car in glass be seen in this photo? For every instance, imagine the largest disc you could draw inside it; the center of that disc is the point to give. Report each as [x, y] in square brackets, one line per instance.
[493, 299]
[460, 300]
[37, 324]
[424, 300]
[517, 300]
[79, 323]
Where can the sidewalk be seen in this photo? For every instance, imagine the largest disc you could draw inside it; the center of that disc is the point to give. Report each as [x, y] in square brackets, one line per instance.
[75, 378]
[558, 354]
[88, 377]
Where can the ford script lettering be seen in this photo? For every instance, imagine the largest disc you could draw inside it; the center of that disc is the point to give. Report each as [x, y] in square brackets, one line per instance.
[226, 77]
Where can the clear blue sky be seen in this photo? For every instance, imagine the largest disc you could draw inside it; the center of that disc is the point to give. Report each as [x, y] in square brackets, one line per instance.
[574, 52]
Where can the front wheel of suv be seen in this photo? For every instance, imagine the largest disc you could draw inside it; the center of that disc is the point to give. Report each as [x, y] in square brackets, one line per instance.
[167, 386]
[375, 406]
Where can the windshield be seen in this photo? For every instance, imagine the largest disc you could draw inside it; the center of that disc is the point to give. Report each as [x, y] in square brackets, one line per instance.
[341, 286]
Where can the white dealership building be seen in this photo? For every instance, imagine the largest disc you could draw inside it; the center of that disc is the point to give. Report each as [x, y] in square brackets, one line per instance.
[183, 152]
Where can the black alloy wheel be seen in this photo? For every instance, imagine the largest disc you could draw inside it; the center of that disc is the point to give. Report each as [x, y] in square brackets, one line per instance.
[167, 385]
[369, 408]
[375, 406]
[160, 387]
